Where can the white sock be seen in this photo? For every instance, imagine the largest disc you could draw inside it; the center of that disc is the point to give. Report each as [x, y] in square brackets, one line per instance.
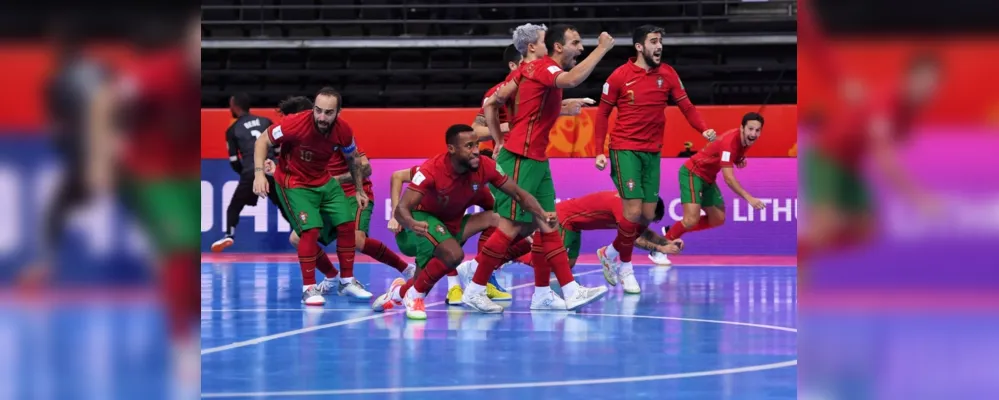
[625, 266]
[542, 291]
[346, 281]
[475, 289]
[305, 288]
[452, 281]
[611, 251]
[569, 290]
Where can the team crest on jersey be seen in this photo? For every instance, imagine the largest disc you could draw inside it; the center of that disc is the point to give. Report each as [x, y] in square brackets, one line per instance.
[475, 187]
[659, 82]
[440, 229]
[304, 216]
[631, 185]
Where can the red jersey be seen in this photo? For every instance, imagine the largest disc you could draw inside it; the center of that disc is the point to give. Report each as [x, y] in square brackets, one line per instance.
[847, 138]
[338, 166]
[724, 152]
[161, 93]
[306, 153]
[447, 194]
[600, 210]
[483, 198]
[536, 107]
[504, 109]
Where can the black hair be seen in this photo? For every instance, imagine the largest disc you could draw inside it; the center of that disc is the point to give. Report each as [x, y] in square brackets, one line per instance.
[752, 116]
[642, 32]
[660, 210]
[556, 35]
[511, 55]
[451, 137]
[242, 100]
[330, 91]
[294, 104]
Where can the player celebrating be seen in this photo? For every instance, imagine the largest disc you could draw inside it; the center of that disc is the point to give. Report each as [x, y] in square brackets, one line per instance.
[433, 213]
[640, 90]
[538, 97]
[308, 192]
[698, 189]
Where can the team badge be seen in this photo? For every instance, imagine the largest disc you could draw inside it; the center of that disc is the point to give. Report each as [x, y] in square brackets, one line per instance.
[475, 187]
[631, 185]
[659, 82]
[304, 216]
[440, 229]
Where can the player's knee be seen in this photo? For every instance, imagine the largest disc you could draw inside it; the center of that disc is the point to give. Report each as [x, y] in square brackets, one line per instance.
[690, 221]
[359, 238]
[293, 239]
[716, 218]
[452, 258]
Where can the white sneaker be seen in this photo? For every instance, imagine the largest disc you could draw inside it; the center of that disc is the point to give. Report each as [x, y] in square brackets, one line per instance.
[584, 296]
[409, 272]
[629, 283]
[659, 258]
[610, 266]
[312, 297]
[415, 309]
[221, 244]
[328, 285]
[355, 290]
[387, 301]
[480, 302]
[466, 270]
[548, 301]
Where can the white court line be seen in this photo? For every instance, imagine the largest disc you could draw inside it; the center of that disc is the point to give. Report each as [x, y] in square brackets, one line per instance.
[206, 310]
[340, 323]
[629, 379]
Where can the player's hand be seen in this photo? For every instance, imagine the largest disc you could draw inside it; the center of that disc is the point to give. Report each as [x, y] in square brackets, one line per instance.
[605, 41]
[674, 247]
[497, 149]
[419, 227]
[260, 185]
[269, 167]
[741, 163]
[551, 219]
[362, 200]
[600, 162]
[709, 134]
[394, 226]
[756, 203]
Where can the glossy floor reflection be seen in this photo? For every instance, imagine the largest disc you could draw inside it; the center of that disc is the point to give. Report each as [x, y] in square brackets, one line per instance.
[694, 333]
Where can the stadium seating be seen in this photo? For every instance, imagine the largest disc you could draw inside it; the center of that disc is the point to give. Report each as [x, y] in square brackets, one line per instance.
[417, 55]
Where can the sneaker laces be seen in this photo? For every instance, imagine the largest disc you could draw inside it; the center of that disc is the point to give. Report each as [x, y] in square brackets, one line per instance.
[418, 305]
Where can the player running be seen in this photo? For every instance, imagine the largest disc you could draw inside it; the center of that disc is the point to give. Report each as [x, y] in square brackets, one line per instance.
[640, 89]
[538, 101]
[433, 213]
[309, 194]
[698, 189]
[240, 140]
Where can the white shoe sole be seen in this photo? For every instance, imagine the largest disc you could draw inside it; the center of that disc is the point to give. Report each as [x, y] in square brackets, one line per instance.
[591, 300]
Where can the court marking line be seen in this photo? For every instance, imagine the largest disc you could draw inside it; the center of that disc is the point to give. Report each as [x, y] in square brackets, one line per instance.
[216, 310]
[376, 315]
[521, 385]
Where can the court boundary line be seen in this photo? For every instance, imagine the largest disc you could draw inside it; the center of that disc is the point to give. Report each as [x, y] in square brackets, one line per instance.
[522, 385]
[349, 321]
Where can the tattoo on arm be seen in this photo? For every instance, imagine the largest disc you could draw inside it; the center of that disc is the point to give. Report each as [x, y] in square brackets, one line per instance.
[644, 243]
[355, 173]
[479, 120]
[344, 178]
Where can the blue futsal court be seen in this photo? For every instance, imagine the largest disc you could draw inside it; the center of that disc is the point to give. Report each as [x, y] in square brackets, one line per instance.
[694, 333]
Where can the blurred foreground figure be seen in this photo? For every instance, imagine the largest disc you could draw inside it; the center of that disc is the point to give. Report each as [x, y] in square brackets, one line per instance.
[141, 147]
[871, 125]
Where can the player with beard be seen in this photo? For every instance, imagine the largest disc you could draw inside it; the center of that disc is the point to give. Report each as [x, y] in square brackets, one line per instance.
[309, 193]
[640, 89]
[698, 190]
[538, 101]
[433, 213]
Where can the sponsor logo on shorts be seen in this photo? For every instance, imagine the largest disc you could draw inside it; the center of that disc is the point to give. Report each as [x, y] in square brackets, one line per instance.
[475, 187]
[631, 185]
[440, 229]
[304, 217]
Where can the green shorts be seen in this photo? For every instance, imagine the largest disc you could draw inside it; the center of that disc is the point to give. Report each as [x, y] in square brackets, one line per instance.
[695, 190]
[535, 177]
[167, 209]
[320, 208]
[362, 221]
[827, 182]
[572, 240]
[636, 174]
[422, 246]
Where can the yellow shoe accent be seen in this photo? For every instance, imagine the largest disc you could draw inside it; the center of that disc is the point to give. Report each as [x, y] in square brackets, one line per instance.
[454, 295]
[495, 294]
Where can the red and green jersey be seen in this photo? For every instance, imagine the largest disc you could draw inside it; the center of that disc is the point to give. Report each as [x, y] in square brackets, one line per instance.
[536, 107]
[446, 193]
[305, 152]
[847, 139]
[724, 152]
[163, 124]
[483, 198]
[504, 109]
[600, 210]
[640, 97]
[339, 166]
